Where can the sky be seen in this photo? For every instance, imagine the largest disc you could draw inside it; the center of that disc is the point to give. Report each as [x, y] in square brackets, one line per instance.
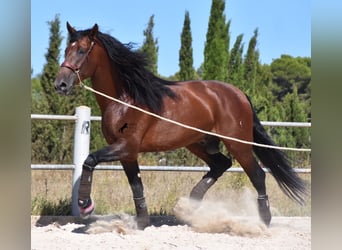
[284, 25]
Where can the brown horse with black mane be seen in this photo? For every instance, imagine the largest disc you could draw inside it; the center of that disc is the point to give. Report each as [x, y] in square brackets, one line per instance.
[118, 71]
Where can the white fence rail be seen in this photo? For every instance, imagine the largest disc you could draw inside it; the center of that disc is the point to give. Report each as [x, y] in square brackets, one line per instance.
[153, 168]
[98, 118]
[82, 120]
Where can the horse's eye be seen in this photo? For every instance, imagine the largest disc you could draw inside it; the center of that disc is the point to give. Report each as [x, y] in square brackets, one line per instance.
[81, 51]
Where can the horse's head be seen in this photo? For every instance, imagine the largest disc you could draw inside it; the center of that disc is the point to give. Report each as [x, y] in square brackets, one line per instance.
[79, 62]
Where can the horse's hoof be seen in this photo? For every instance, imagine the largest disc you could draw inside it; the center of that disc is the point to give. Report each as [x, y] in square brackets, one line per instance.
[85, 212]
[264, 210]
[143, 222]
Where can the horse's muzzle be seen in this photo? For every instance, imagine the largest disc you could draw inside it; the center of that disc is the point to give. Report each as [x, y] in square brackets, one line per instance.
[62, 88]
[64, 83]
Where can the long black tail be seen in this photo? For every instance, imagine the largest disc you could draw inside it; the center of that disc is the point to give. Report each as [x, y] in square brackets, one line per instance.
[276, 160]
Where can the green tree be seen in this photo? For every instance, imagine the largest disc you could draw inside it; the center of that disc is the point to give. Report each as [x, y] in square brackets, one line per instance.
[38, 100]
[39, 132]
[187, 71]
[263, 99]
[216, 48]
[51, 67]
[45, 136]
[251, 64]
[150, 46]
[289, 72]
[235, 67]
[199, 71]
[51, 141]
[292, 109]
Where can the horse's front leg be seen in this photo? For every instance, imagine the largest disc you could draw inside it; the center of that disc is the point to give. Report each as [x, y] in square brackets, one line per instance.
[133, 174]
[114, 152]
[106, 154]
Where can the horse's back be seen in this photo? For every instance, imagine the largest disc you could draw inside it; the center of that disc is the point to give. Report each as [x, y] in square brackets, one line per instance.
[229, 108]
[219, 95]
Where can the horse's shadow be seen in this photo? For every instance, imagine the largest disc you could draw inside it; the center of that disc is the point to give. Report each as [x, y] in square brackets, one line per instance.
[107, 223]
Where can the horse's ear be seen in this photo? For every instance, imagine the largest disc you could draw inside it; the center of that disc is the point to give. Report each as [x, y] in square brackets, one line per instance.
[71, 30]
[93, 32]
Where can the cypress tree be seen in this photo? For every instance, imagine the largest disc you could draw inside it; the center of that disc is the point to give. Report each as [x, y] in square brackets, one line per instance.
[44, 134]
[263, 98]
[187, 71]
[51, 140]
[235, 62]
[50, 70]
[150, 46]
[217, 44]
[250, 64]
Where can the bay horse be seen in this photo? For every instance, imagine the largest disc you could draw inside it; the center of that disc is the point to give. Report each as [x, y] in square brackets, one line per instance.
[117, 70]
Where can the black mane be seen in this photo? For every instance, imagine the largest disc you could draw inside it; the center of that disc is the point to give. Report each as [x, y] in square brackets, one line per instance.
[138, 82]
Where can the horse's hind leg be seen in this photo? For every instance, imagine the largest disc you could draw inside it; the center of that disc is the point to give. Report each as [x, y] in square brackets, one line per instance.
[257, 176]
[217, 162]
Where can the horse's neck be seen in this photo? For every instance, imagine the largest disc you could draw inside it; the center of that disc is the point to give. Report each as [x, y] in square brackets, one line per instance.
[107, 83]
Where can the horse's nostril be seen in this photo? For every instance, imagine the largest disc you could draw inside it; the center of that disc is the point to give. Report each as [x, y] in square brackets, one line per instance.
[63, 86]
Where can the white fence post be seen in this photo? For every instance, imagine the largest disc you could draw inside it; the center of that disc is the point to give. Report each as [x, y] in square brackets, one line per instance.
[81, 151]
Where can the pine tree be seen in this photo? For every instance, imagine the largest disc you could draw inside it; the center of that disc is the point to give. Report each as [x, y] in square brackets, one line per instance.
[187, 71]
[289, 71]
[217, 44]
[150, 46]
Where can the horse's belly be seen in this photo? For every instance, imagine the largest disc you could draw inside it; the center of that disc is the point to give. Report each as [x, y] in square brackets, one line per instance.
[170, 137]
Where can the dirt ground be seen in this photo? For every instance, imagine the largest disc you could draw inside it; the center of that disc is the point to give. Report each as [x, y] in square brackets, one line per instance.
[119, 232]
[211, 224]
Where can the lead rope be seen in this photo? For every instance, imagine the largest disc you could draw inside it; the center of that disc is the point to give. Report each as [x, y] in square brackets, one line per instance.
[184, 125]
